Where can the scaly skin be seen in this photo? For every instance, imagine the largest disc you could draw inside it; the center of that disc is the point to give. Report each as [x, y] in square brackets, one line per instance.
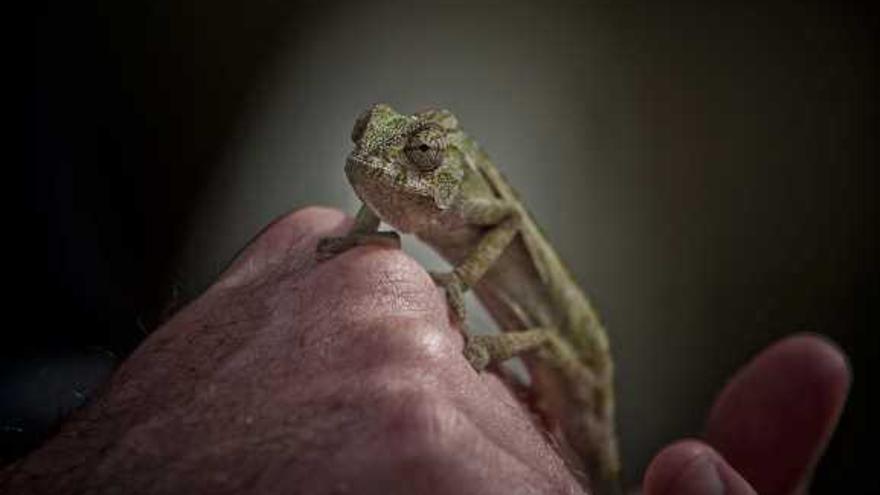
[422, 174]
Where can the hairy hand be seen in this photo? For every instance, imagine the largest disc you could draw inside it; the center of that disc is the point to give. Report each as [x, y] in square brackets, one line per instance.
[289, 376]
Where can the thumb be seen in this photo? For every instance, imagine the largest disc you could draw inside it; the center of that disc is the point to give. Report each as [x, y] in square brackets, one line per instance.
[690, 467]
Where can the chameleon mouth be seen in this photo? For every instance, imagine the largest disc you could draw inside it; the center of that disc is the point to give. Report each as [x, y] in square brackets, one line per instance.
[369, 177]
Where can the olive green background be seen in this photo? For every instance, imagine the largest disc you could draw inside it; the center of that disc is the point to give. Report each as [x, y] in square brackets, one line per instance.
[707, 169]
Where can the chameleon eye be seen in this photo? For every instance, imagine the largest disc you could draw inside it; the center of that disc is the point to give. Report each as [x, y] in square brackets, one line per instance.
[424, 148]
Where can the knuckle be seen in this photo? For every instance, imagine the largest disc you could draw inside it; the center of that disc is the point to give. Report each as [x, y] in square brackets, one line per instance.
[411, 342]
[378, 283]
[380, 307]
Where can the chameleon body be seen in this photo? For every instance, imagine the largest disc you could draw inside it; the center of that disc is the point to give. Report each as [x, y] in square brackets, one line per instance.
[422, 174]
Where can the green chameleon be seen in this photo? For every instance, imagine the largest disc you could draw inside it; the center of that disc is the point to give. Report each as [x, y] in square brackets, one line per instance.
[422, 174]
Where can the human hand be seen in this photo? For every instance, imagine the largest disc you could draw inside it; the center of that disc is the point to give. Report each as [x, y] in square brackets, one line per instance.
[291, 376]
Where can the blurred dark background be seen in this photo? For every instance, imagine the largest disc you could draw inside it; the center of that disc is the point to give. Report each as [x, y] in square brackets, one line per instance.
[708, 169]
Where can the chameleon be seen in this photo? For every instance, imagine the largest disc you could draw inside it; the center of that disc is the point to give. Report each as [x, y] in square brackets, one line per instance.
[423, 175]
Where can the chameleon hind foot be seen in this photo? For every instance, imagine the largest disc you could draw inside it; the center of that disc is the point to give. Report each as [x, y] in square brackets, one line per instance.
[484, 350]
[329, 247]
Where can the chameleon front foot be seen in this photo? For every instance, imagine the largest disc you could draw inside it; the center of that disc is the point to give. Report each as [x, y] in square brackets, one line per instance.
[484, 350]
[455, 289]
[329, 247]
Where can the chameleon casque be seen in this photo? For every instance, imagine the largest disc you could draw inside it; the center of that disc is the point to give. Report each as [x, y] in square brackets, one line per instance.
[423, 175]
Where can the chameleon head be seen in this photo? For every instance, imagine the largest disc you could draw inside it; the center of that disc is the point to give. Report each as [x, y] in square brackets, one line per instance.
[407, 168]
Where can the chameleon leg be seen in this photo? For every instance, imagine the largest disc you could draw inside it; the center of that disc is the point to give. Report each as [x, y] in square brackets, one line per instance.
[483, 350]
[454, 289]
[505, 222]
[364, 232]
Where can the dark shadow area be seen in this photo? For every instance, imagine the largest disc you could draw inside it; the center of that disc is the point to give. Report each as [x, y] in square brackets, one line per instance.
[126, 106]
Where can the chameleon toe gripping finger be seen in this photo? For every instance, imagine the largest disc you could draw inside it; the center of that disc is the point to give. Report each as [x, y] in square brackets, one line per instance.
[364, 232]
[482, 351]
[328, 247]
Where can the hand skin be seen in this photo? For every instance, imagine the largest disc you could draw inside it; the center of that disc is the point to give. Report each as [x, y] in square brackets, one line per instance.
[289, 376]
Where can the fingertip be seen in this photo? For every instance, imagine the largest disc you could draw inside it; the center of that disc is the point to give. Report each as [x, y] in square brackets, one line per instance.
[691, 467]
[821, 362]
[804, 362]
[668, 464]
[810, 360]
[826, 361]
[774, 418]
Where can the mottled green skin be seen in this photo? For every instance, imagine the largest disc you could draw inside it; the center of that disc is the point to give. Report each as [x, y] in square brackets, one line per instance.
[527, 287]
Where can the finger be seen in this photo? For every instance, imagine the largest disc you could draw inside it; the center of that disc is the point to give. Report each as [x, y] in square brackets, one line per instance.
[774, 418]
[290, 239]
[690, 467]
